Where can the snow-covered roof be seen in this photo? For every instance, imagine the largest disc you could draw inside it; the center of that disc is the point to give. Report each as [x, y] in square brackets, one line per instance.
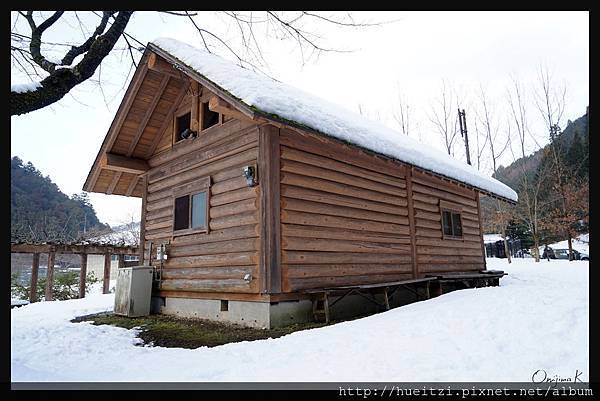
[124, 235]
[270, 97]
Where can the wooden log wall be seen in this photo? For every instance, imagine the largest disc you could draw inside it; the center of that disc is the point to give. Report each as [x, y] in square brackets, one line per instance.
[345, 218]
[216, 261]
[435, 254]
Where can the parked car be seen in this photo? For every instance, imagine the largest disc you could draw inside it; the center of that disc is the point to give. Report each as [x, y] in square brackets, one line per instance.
[564, 254]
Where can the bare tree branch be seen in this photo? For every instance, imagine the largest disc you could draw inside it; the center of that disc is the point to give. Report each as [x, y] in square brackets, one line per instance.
[36, 39]
[78, 50]
[61, 81]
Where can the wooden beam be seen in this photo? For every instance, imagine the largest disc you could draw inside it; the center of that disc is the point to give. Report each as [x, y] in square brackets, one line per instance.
[219, 105]
[132, 185]
[116, 125]
[124, 164]
[121, 261]
[35, 266]
[148, 114]
[106, 278]
[247, 110]
[82, 275]
[158, 64]
[50, 275]
[114, 182]
[168, 119]
[194, 118]
[411, 222]
[270, 228]
[73, 249]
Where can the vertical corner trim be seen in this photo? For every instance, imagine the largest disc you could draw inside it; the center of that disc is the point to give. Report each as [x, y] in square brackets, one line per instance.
[411, 222]
[270, 217]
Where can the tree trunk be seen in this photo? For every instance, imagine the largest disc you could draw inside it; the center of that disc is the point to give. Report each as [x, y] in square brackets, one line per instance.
[570, 242]
[536, 249]
[507, 250]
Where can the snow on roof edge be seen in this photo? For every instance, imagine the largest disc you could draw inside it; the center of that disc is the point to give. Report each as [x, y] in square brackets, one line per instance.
[274, 98]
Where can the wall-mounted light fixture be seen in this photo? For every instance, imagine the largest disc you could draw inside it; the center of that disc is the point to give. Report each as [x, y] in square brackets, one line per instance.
[249, 173]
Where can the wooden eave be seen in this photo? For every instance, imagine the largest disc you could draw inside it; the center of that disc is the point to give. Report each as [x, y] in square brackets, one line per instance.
[135, 131]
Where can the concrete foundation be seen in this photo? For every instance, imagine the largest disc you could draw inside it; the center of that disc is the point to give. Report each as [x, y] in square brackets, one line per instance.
[271, 314]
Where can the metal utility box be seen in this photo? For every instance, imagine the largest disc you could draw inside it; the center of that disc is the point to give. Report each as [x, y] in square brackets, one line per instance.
[134, 291]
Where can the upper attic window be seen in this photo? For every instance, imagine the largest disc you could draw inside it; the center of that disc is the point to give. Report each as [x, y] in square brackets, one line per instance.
[182, 123]
[209, 117]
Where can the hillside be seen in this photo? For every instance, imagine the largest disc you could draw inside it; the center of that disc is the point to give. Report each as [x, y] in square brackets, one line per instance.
[510, 174]
[39, 211]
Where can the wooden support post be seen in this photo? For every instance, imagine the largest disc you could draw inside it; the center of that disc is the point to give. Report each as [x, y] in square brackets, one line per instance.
[386, 300]
[106, 280]
[50, 275]
[121, 261]
[35, 266]
[326, 307]
[195, 115]
[82, 274]
[436, 289]
[142, 245]
[411, 223]
[270, 231]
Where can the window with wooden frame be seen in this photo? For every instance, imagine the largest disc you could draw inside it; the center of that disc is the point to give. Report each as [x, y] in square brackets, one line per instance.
[209, 117]
[191, 207]
[451, 217]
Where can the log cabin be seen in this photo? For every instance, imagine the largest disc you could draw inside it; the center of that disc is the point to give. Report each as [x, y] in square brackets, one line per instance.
[260, 194]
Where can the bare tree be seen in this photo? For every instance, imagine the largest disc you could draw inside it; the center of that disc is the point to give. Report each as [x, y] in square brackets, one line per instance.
[52, 78]
[402, 113]
[491, 130]
[550, 101]
[529, 192]
[497, 146]
[364, 111]
[61, 75]
[444, 117]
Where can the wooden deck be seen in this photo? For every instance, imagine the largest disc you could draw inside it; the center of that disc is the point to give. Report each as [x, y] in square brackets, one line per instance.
[434, 286]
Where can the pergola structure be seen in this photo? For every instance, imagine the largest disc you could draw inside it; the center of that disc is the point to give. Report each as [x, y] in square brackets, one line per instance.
[83, 249]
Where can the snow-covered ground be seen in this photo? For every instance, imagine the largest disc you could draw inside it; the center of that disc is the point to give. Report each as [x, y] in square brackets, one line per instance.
[537, 319]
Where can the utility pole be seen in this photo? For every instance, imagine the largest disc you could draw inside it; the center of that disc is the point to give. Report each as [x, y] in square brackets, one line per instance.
[463, 132]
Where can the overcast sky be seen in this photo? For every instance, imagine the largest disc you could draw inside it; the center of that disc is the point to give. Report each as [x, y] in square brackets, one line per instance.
[411, 55]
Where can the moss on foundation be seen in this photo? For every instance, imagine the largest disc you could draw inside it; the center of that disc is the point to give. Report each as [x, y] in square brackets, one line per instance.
[168, 331]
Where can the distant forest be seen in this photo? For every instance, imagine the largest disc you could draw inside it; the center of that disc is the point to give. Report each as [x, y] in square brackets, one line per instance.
[556, 178]
[41, 212]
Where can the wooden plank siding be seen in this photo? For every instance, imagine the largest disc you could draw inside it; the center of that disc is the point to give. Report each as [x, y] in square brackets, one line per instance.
[346, 218]
[435, 254]
[217, 261]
